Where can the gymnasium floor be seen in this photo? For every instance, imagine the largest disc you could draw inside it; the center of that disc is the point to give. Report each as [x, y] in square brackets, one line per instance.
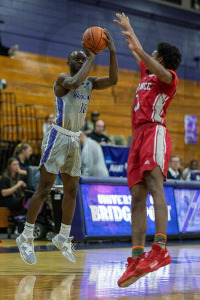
[95, 274]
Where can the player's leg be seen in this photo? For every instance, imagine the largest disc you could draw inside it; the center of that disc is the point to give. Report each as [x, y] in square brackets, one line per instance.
[154, 180]
[70, 185]
[139, 194]
[159, 255]
[25, 240]
[44, 188]
[62, 241]
[158, 143]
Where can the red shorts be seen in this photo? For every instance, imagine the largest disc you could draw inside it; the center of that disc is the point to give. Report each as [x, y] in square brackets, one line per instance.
[151, 147]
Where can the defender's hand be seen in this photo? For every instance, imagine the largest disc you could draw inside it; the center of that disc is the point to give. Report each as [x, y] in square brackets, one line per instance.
[131, 41]
[123, 22]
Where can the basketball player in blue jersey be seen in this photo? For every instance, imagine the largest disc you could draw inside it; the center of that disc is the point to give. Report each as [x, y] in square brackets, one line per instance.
[61, 146]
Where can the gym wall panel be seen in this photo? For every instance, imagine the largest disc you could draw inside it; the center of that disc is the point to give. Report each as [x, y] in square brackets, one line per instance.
[55, 28]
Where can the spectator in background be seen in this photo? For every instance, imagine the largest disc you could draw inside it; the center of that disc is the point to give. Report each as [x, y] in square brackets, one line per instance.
[174, 171]
[93, 163]
[92, 121]
[118, 139]
[11, 187]
[6, 51]
[193, 165]
[85, 127]
[48, 121]
[22, 153]
[97, 133]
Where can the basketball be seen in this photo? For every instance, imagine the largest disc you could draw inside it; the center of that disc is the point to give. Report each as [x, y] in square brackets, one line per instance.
[93, 39]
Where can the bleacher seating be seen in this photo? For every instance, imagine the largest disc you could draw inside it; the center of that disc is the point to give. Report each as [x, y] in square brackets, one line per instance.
[31, 77]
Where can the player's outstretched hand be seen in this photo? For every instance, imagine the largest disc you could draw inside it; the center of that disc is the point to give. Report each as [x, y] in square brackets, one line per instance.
[131, 42]
[109, 40]
[87, 51]
[123, 22]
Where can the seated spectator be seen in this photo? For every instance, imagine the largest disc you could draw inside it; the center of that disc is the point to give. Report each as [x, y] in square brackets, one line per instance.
[97, 133]
[6, 51]
[11, 187]
[85, 127]
[22, 153]
[93, 163]
[48, 121]
[193, 165]
[92, 121]
[174, 171]
[118, 139]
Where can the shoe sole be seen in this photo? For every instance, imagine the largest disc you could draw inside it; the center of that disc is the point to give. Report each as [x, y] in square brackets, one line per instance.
[21, 253]
[131, 281]
[162, 264]
[57, 246]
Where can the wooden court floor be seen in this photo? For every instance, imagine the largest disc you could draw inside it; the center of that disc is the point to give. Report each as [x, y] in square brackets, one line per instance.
[95, 275]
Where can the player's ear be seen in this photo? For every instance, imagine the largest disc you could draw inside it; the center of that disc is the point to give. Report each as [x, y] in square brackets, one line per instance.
[160, 60]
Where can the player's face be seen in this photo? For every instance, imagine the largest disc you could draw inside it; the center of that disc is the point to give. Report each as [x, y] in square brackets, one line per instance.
[76, 61]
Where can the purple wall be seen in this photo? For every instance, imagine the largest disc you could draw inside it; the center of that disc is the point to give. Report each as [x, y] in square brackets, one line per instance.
[55, 27]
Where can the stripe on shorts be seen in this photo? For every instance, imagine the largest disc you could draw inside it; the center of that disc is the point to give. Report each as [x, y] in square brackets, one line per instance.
[160, 146]
[59, 120]
[50, 145]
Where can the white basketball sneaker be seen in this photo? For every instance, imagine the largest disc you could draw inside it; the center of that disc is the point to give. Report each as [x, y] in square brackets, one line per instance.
[26, 249]
[65, 246]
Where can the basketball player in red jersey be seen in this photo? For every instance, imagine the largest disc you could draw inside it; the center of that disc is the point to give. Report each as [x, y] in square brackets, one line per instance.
[150, 151]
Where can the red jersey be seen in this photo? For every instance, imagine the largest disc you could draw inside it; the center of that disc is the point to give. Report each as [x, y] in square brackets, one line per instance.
[152, 98]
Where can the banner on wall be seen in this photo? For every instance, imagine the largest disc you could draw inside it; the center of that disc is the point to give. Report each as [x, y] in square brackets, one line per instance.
[116, 160]
[188, 209]
[190, 129]
[107, 211]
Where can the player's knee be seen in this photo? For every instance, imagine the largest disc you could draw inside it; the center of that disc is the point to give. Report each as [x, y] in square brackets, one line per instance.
[73, 192]
[137, 202]
[44, 191]
[153, 185]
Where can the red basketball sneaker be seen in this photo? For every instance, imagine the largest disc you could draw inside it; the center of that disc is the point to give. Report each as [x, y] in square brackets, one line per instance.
[154, 260]
[131, 275]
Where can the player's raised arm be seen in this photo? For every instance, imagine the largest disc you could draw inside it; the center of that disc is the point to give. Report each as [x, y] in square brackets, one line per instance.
[79, 70]
[154, 64]
[100, 83]
[124, 23]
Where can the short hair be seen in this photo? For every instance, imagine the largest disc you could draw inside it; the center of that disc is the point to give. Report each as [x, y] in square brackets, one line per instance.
[95, 113]
[95, 124]
[70, 54]
[173, 156]
[171, 55]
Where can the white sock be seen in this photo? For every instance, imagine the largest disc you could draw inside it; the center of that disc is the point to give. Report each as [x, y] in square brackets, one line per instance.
[65, 230]
[28, 230]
